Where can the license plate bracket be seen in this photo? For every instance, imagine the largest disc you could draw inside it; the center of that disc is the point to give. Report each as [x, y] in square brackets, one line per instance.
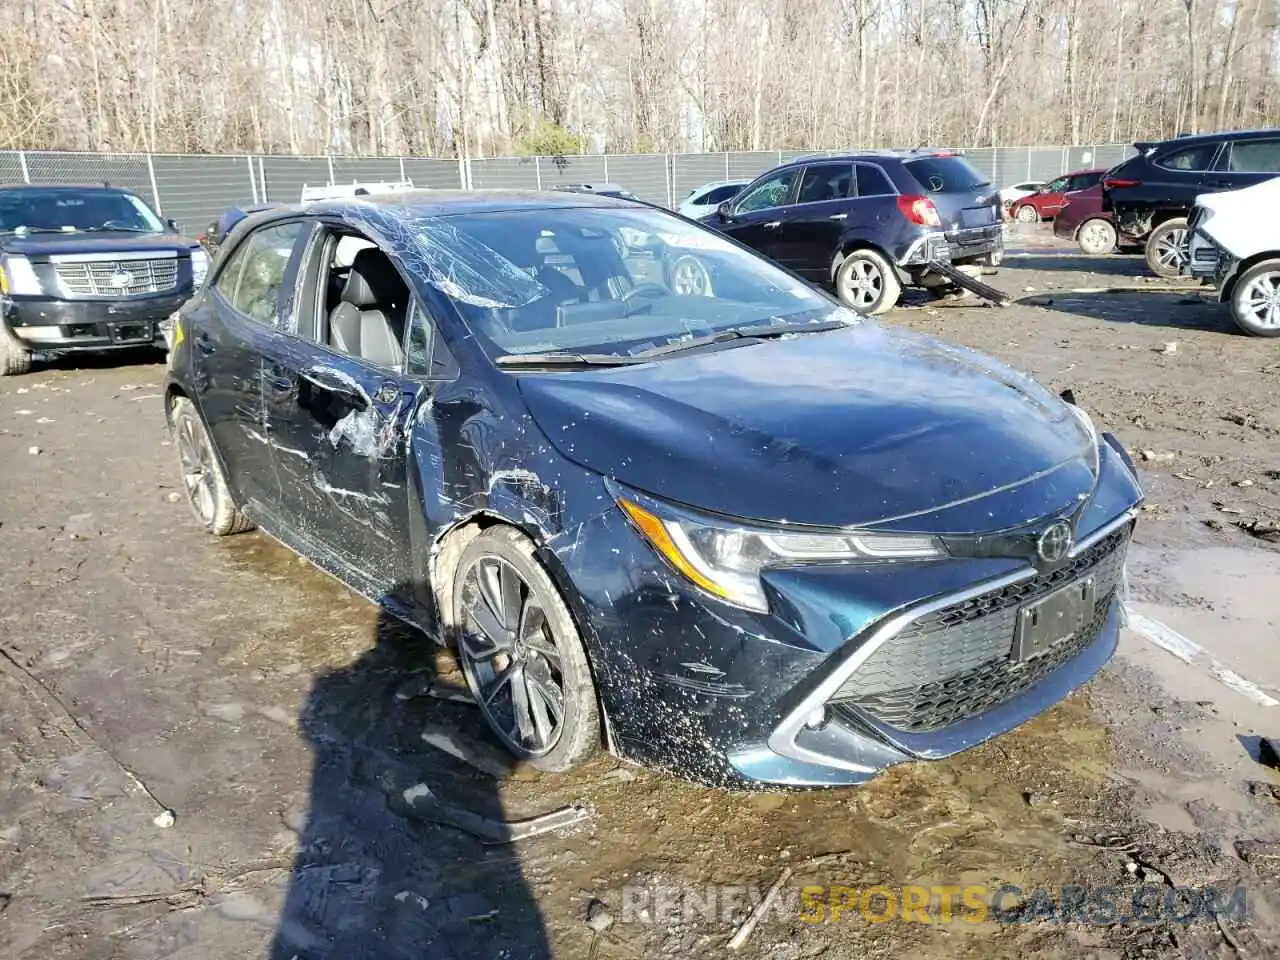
[1050, 620]
[129, 332]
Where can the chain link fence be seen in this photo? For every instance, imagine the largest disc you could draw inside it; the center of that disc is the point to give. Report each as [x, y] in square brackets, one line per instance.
[195, 189]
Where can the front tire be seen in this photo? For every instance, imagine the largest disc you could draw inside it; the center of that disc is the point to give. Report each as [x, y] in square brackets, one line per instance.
[1096, 237]
[1027, 214]
[15, 358]
[202, 479]
[522, 654]
[866, 282]
[1255, 300]
[1167, 252]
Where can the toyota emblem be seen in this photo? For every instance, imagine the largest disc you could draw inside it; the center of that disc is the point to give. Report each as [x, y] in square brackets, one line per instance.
[1055, 543]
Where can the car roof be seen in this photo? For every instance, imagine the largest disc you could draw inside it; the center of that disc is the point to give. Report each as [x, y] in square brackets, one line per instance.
[64, 186]
[448, 203]
[1194, 138]
[850, 156]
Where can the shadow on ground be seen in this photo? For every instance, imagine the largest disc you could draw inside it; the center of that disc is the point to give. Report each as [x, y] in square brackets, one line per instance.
[1151, 308]
[373, 878]
[99, 360]
[1116, 266]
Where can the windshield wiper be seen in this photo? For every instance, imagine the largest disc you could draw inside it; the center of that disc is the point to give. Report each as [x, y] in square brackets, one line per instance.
[565, 360]
[756, 333]
[106, 229]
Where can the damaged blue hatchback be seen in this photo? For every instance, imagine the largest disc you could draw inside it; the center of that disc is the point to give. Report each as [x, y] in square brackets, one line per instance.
[656, 492]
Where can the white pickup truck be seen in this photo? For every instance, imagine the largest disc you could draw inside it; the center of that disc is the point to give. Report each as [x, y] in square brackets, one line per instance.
[1235, 245]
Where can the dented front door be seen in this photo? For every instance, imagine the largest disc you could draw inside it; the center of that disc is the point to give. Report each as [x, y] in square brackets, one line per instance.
[338, 427]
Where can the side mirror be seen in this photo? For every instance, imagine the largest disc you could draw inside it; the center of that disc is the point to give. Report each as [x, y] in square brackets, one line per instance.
[173, 225]
[723, 211]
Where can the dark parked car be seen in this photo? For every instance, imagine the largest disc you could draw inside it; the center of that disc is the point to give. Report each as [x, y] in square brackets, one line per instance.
[1082, 219]
[599, 189]
[87, 268]
[1151, 194]
[869, 223]
[1050, 198]
[744, 535]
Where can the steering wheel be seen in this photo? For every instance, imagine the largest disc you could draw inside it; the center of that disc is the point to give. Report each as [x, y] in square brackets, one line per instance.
[646, 289]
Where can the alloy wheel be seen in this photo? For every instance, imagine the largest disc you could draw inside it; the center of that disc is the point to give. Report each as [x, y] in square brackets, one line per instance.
[198, 470]
[1028, 214]
[1260, 300]
[862, 284]
[510, 658]
[689, 278]
[1097, 236]
[1171, 250]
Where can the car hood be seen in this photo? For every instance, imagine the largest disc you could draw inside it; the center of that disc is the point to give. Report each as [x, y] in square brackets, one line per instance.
[49, 244]
[1243, 222]
[861, 426]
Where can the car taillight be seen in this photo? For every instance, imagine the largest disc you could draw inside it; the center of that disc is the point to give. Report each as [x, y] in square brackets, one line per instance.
[919, 210]
[1120, 183]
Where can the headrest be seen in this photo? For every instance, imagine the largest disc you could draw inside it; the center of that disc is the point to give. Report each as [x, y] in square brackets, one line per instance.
[373, 281]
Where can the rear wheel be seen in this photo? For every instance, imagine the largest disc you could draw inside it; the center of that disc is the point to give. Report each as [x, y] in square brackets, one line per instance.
[1255, 300]
[1027, 214]
[14, 357]
[522, 654]
[1096, 237]
[1167, 252]
[866, 282]
[202, 479]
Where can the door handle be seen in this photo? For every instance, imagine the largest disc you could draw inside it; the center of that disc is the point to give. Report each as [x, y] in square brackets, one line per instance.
[773, 225]
[204, 342]
[326, 380]
[838, 216]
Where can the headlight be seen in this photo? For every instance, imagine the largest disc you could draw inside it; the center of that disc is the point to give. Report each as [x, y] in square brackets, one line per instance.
[1087, 422]
[18, 277]
[199, 267]
[726, 559]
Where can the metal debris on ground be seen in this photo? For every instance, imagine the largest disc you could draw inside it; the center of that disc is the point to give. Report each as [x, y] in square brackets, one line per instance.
[425, 804]
[1269, 752]
[748, 925]
[488, 761]
[972, 284]
[1262, 529]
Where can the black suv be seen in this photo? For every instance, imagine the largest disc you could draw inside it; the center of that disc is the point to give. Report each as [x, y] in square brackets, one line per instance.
[1151, 194]
[867, 223]
[87, 268]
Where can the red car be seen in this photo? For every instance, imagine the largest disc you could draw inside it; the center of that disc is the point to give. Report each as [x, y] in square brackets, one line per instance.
[1045, 203]
[1082, 219]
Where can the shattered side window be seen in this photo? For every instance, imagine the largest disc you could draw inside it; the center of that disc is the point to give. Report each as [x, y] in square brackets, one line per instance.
[266, 256]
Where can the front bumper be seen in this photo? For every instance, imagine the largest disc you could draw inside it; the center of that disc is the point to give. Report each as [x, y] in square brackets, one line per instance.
[47, 324]
[855, 668]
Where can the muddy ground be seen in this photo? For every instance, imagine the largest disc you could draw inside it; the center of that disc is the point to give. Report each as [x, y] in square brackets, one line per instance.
[146, 668]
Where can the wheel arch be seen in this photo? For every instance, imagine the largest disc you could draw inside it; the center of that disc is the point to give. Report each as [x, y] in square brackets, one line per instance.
[1228, 290]
[442, 565]
[854, 243]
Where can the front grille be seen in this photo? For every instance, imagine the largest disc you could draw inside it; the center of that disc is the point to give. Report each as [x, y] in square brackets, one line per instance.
[955, 662]
[117, 278]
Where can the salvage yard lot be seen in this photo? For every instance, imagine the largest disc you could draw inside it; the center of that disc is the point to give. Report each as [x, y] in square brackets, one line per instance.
[146, 667]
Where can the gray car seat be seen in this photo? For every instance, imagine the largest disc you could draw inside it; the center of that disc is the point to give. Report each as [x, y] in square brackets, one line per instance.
[369, 320]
